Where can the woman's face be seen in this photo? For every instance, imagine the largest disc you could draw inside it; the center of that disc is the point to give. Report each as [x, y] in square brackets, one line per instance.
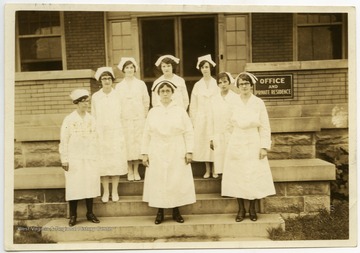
[106, 81]
[84, 105]
[129, 70]
[165, 93]
[244, 86]
[224, 84]
[205, 69]
[166, 68]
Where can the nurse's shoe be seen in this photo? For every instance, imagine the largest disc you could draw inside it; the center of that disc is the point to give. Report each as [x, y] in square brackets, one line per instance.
[159, 216]
[137, 176]
[91, 217]
[215, 175]
[105, 198]
[207, 174]
[177, 216]
[115, 197]
[72, 221]
[130, 176]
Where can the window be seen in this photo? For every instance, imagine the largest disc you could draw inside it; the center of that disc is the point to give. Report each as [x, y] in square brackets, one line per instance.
[39, 40]
[320, 36]
[186, 37]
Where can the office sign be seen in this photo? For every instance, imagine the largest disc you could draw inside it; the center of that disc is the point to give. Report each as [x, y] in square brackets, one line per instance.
[274, 86]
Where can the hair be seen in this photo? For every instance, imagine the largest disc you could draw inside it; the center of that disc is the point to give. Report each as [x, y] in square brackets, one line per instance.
[244, 77]
[106, 73]
[128, 63]
[167, 60]
[80, 99]
[221, 76]
[202, 63]
[167, 85]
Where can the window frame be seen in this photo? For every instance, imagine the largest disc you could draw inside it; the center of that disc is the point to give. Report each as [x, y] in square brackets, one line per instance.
[19, 37]
[343, 24]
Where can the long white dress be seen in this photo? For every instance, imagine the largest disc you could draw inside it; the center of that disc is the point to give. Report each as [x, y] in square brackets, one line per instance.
[106, 109]
[78, 147]
[222, 107]
[201, 116]
[168, 136]
[135, 102]
[245, 175]
[180, 96]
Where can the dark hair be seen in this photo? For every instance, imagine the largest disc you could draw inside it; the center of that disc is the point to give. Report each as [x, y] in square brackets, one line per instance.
[167, 60]
[128, 63]
[202, 63]
[244, 77]
[106, 73]
[222, 75]
[162, 85]
[80, 99]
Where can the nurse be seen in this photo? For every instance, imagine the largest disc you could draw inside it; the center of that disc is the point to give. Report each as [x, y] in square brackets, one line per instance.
[201, 115]
[222, 107]
[167, 148]
[167, 65]
[247, 173]
[106, 108]
[135, 102]
[78, 154]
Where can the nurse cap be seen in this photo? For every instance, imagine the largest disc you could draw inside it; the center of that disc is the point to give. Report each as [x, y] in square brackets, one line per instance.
[123, 60]
[161, 58]
[78, 93]
[232, 80]
[205, 58]
[252, 77]
[156, 87]
[101, 70]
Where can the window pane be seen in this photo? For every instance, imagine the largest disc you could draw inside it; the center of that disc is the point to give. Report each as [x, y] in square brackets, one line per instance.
[40, 48]
[158, 38]
[320, 43]
[38, 22]
[198, 38]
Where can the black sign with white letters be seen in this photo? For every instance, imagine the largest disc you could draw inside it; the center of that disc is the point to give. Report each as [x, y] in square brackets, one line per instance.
[274, 86]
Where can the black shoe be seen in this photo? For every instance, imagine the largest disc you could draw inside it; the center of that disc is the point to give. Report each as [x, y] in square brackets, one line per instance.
[177, 216]
[240, 215]
[252, 215]
[159, 217]
[72, 221]
[91, 217]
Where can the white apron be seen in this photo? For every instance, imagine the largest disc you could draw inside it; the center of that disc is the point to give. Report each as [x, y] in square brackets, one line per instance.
[78, 147]
[222, 110]
[135, 103]
[106, 109]
[201, 116]
[168, 136]
[245, 175]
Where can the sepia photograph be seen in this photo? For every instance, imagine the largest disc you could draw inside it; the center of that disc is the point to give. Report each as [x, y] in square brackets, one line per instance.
[180, 126]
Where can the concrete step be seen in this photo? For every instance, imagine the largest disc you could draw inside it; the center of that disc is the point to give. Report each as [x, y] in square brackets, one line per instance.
[133, 188]
[142, 227]
[134, 206]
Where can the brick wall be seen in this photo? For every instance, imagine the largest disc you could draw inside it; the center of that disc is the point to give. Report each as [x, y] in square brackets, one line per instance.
[46, 96]
[272, 37]
[315, 87]
[85, 40]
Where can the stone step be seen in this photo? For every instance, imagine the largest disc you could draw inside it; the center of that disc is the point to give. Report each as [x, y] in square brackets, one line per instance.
[282, 171]
[142, 227]
[134, 206]
[133, 188]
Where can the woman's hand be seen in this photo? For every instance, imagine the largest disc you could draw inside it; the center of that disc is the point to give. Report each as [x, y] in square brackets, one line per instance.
[65, 166]
[188, 158]
[263, 153]
[212, 144]
[145, 160]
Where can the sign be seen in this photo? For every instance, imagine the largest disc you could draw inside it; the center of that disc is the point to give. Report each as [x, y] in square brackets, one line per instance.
[274, 86]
